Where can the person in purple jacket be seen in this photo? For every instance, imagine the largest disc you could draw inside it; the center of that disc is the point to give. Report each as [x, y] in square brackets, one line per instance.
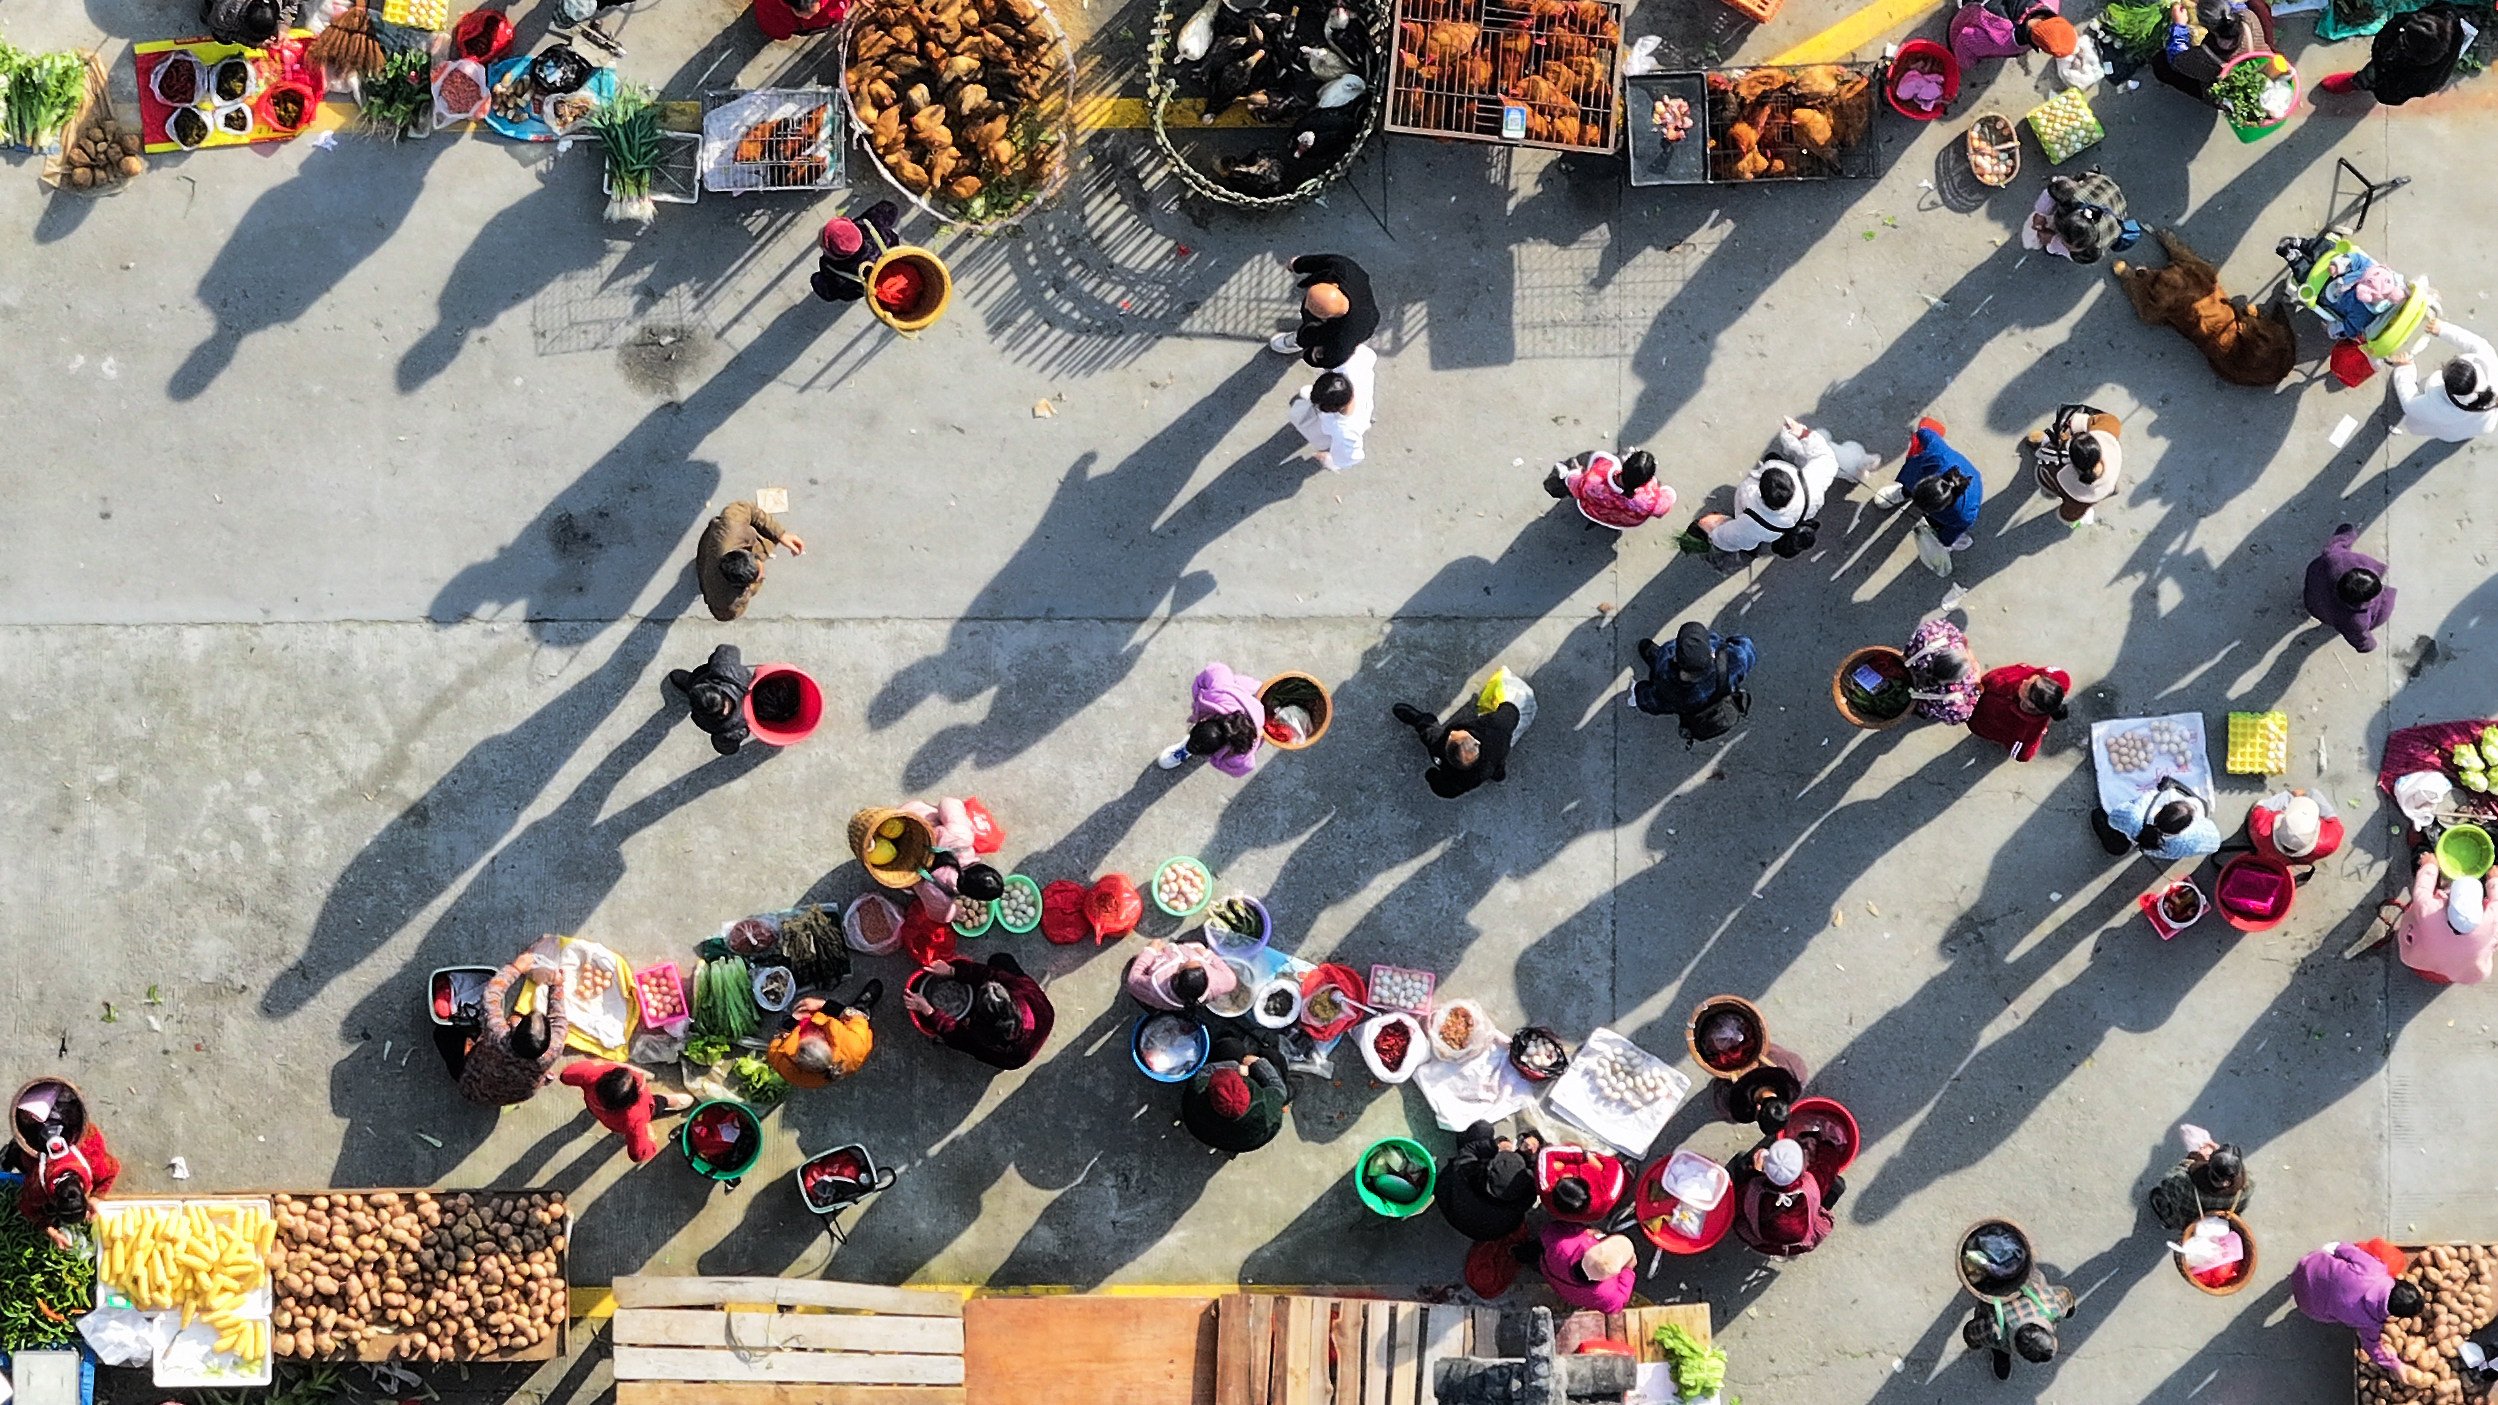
[1584, 1266]
[1226, 723]
[2345, 1283]
[2347, 590]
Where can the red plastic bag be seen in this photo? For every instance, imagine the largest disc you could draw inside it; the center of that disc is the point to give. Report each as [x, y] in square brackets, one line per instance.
[987, 836]
[1114, 907]
[926, 940]
[1062, 913]
[2350, 363]
[483, 35]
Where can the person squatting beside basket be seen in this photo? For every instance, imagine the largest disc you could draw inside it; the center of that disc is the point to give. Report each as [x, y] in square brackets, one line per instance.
[715, 697]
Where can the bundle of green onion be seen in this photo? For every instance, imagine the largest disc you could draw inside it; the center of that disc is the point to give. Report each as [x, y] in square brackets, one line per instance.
[628, 126]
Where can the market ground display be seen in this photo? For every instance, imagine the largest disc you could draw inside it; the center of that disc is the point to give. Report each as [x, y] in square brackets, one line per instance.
[435, 789]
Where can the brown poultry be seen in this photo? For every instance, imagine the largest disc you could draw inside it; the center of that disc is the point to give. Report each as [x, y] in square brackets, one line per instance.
[1451, 39]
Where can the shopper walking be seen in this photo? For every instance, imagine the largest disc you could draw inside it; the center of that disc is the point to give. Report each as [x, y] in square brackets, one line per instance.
[1472, 747]
[1620, 493]
[1236, 1102]
[2345, 1284]
[1226, 723]
[2346, 590]
[1941, 482]
[1778, 504]
[844, 251]
[2015, 705]
[2411, 57]
[1338, 312]
[715, 697]
[621, 1099]
[1698, 681]
[498, 1061]
[728, 561]
[2464, 402]
[2078, 461]
[2024, 1323]
[1333, 412]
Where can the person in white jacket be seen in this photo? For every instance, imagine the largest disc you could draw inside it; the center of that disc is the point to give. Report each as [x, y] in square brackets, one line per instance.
[1778, 503]
[1333, 412]
[2463, 404]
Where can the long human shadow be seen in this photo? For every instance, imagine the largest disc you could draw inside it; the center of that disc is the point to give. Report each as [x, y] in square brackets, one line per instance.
[591, 552]
[551, 877]
[300, 240]
[1134, 513]
[460, 819]
[541, 237]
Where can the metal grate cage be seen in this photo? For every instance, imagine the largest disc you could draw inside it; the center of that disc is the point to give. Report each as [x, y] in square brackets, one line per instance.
[1812, 122]
[772, 139]
[1543, 73]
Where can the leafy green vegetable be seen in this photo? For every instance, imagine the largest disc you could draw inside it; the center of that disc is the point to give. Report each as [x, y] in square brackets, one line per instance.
[1699, 1371]
[2240, 94]
[2139, 29]
[758, 1083]
[39, 93]
[724, 999]
[43, 1288]
[397, 98]
[628, 127]
[708, 1049]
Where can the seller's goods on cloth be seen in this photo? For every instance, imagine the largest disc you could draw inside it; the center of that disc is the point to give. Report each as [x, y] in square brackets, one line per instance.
[1479, 1087]
[1506, 687]
[2430, 750]
[2130, 755]
[1333, 998]
[1619, 1091]
[598, 999]
[2065, 126]
[1459, 1028]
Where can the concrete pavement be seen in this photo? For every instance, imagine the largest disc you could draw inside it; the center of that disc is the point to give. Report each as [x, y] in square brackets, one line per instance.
[350, 512]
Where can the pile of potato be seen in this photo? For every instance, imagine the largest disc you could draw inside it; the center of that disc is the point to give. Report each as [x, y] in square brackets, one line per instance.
[419, 1276]
[2460, 1282]
[100, 154]
[956, 97]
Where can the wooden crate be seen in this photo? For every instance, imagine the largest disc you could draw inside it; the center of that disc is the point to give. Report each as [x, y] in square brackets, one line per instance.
[785, 1341]
[385, 1348]
[1122, 1350]
[1273, 1349]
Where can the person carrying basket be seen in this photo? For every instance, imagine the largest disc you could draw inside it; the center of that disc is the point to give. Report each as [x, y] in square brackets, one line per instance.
[844, 251]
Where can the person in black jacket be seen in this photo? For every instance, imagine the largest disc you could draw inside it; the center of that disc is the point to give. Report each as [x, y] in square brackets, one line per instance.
[1467, 750]
[1338, 312]
[250, 23]
[715, 695]
[1487, 1188]
[1236, 1102]
[2411, 57]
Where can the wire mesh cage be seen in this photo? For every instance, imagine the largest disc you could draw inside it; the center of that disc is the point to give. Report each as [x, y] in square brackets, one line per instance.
[1813, 122]
[1162, 88]
[1543, 73]
[772, 139]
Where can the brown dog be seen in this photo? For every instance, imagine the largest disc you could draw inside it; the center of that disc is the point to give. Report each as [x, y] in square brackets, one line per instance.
[2244, 346]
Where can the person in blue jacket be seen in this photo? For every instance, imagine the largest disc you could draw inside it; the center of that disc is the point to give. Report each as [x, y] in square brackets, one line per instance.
[1941, 481]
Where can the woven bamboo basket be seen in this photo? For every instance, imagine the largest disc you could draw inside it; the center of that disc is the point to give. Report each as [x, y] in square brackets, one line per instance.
[911, 852]
[1162, 85]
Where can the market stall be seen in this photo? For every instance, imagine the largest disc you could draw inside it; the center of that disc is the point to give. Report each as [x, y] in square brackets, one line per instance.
[419, 1275]
[1298, 141]
[1542, 74]
[195, 1272]
[974, 123]
[2460, 1284]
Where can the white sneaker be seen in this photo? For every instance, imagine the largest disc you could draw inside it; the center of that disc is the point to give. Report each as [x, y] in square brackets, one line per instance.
[1890, 495]
[1854, 461]
[1966, 541]
[1285, 344]
[1173, 759]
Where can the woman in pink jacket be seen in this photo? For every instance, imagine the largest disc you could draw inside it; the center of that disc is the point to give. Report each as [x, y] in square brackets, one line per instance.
[1226, 723]
[1587, 1267]
[1620, 493]
[2446, 941]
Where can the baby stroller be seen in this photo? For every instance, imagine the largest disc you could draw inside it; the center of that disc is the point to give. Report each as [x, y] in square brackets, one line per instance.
[2371, 310]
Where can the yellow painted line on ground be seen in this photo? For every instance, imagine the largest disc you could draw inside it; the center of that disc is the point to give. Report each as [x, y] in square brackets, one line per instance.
[1135, 114]
[1844, 39]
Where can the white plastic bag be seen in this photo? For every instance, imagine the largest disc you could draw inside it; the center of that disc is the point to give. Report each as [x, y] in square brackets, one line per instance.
[1417, 1049]
[1931, 552]
[121, 1337]
[2210, 1244]
[2083, 67]
[2419, 794]
[447, 116]
[1482, 1033]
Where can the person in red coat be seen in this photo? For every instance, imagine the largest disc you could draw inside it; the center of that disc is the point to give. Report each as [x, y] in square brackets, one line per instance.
[61, 1191]
[1009, 1018]
[787, 19]
[620, 1097]
[1785, 1209]
[2015, 704]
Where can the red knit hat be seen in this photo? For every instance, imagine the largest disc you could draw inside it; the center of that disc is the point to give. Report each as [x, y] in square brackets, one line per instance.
[1228, 1094]
[842, 237]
